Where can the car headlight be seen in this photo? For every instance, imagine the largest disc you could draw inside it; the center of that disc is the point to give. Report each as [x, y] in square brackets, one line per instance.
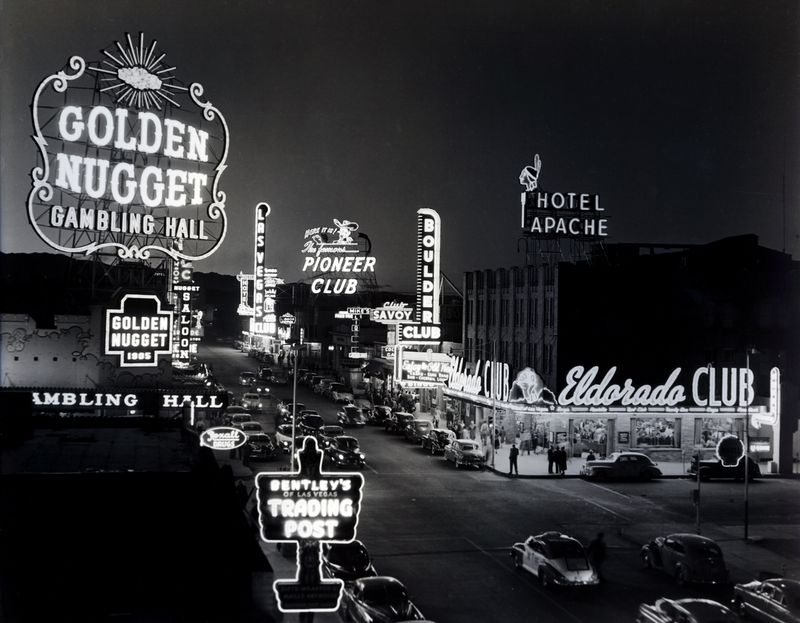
[361, 456]
[341, 456]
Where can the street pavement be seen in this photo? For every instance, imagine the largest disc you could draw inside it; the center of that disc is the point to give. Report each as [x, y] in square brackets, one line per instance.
[447, 533]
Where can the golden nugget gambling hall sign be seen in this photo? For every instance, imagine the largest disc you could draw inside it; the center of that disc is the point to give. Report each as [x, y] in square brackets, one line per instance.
[129, 159]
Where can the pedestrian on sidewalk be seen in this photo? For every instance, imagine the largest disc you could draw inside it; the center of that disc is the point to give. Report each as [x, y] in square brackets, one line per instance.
[562, 461]
[532, 443]
[597, 554]
[550, 459]
[512, 460]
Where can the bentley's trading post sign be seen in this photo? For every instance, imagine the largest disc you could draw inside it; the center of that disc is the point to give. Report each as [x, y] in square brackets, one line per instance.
[138, 331]
[129, 158]
[308, 507]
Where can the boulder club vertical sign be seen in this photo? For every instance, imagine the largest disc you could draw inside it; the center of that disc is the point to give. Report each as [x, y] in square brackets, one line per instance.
[308, 507]
[426, 329]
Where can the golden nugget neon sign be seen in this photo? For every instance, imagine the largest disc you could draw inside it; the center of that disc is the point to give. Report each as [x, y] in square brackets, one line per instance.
[118, 162]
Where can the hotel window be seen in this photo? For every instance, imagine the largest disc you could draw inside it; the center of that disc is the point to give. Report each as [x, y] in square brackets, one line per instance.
[533, 311]
[480, 311]
[470, 347]
[546, 355]
[550, 274]
[656, 432]
[517, 312]
[469, 311]
[532, 276]
[504, 311]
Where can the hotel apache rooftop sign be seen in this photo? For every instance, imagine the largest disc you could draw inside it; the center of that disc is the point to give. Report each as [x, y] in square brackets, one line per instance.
[138, 331]
[559, 214]
[129, 158]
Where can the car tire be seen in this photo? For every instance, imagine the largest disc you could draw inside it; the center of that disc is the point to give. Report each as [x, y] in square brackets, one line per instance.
[544, 578]
[739, 607]
[647, 563]
[458, 465]
[517, 561]
[680, 576]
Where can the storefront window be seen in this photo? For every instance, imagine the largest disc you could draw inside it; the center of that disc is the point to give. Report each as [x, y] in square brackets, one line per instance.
[656, 432]
[708, 431]
[591, 434]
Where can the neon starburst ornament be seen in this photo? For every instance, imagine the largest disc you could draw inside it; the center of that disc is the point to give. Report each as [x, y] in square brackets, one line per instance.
[138, 76]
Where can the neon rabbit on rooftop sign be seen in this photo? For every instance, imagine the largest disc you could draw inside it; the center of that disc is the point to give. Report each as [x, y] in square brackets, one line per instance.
[129, 158]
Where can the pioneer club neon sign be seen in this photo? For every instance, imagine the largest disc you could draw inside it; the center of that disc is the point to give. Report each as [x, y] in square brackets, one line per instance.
[333, 250]
[309, 506]
[558, 214]
[138, 331]
[119, 165]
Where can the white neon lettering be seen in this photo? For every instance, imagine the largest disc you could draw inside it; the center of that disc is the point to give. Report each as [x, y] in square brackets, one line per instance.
[71, 131]
[173, 140]
[101, 140]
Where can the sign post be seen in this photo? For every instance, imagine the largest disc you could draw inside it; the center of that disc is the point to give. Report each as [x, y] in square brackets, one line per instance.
[308, 507]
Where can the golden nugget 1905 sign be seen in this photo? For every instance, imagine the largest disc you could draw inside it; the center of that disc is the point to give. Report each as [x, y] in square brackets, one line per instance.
[129, 158]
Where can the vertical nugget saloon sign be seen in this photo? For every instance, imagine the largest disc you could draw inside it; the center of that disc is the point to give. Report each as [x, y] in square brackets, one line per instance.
[129, 158]
[308, 507]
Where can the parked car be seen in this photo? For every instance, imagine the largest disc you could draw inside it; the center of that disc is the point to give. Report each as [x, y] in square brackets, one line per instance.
[622, 466]
[339, 392]
[283, 437]
[312, 379]
[251, 428]
[687, 558]
[378, 599]
[279, 379]
[713, 468]
[555, 559]
[685, 611]
[310, 422]
[327, 433]
[380, 413]
[229, 412]
[346, 561]
[396, 423]
[417, 429]
[351, 415]
[345, 452]
[259, 447]
[247, 378]
[285, 408]
[437, 440]
[264, 373]
[322, 384]
[464, 452]
[776, 600]
[237, 419]
[253, 401]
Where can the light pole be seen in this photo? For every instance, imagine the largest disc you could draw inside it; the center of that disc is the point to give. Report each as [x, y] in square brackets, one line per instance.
[747, 352]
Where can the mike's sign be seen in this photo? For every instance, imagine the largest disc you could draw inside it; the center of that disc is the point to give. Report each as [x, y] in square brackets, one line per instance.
[129, 158]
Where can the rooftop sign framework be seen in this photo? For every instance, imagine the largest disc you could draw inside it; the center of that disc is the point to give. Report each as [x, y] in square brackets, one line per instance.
[124, 151]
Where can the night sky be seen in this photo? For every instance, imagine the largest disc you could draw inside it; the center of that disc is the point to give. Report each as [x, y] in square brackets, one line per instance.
[681, 115]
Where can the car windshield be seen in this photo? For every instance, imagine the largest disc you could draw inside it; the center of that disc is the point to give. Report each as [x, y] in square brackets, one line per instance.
[706, 549]
[251, 426]
[351, 555]
[386, 594]
[332, 430]
[423, 425]
[260, 438]
[337, 387]
[285, 429]
[352, 411]
[314, 421]
[347, 443]
[565, 548]
[468, 446]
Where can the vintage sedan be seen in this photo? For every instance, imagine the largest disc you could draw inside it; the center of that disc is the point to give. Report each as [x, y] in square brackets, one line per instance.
[556, 559]
[380, 413]
[397, 422]
[465, 452]
[310, 422]
[347, 561]
[775, 601]
[714, 469]
[622, 466]
[251, 428]
[283, 438]
[345, 452]
[247, 378]
[232, 410]
[259, 447]
[417, 429]
[687, 558]
[327, 433]
[253, 401]
[685, 611]
[378, 599]
[350, 415]
[437, 440]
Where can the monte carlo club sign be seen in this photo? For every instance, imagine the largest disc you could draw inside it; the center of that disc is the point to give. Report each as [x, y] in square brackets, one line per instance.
[129, 158]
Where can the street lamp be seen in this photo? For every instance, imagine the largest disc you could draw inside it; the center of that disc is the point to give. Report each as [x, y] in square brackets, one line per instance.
[750, 350]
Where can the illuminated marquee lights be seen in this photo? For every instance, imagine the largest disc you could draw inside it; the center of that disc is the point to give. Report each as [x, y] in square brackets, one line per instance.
[334, 256]
[138, 331]
[426, 329]
[101, 158]
[392, 313]
[308, 506]
[544, 213]
[427, 369]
